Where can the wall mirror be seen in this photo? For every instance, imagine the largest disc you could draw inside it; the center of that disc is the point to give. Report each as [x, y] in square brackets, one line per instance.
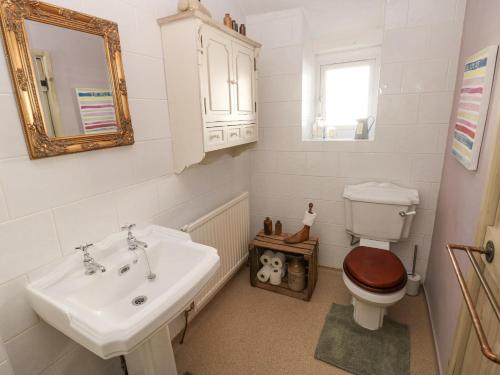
[68, 77]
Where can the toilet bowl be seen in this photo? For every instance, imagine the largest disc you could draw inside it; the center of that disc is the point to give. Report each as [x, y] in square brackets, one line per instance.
[376, 279]
[378, 214]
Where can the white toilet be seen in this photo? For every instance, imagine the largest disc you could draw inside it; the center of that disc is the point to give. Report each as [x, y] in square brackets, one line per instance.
[378, 214]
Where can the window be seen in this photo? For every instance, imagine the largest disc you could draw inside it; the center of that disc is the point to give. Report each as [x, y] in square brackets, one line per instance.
[347, 93]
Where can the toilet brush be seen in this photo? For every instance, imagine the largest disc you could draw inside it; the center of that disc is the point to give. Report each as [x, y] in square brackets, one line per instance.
[414, 260]
[413, 283]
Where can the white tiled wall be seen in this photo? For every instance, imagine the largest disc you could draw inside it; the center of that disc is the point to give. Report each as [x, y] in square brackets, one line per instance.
[419, 62]
[5, 367]
[49, 206]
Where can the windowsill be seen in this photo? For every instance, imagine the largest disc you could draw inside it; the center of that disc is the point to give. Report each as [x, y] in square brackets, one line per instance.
[336, 140]
[341, 133]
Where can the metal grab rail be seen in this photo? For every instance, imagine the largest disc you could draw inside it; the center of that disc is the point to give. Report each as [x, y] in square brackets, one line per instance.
[489, 252]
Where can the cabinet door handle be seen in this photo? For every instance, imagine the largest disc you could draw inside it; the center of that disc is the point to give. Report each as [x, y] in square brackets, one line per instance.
[234, 135]
[215, 136]
[233, 82]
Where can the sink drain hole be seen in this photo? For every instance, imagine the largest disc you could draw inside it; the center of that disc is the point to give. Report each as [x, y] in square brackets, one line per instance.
[140, 300]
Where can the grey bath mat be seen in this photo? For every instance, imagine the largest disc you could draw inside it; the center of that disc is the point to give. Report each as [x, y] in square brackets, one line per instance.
[345, 344]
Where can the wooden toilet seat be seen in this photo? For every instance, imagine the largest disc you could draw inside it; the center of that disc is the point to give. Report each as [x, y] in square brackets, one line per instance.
[375, 270]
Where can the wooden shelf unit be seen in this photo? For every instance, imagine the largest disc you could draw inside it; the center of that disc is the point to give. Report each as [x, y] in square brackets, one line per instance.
[308, 250]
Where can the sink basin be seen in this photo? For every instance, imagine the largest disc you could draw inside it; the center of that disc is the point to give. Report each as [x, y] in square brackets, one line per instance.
[113, 312]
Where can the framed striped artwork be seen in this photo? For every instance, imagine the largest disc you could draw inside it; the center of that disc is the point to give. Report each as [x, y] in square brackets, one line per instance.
[97, 110]
[473, 106]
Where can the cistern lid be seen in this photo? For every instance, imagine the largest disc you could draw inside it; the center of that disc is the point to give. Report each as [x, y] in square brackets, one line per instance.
[381, 192]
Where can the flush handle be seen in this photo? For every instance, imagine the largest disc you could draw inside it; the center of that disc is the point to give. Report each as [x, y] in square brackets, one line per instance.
[409, 213]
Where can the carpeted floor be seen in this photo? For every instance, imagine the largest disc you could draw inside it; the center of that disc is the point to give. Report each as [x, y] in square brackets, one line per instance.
[250, 331]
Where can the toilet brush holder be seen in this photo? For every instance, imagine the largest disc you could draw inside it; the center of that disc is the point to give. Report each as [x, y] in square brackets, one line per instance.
[414, 279]
[413, 284]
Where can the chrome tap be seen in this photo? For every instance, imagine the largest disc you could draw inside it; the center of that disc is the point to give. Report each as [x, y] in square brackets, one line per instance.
[132, 241]
[91, 266]
[134, 244]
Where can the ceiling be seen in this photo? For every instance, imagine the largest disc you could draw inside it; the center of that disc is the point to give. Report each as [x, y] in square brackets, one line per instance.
[326, 17]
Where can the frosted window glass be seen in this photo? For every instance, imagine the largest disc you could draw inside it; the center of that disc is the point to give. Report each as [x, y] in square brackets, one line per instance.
[347, 94]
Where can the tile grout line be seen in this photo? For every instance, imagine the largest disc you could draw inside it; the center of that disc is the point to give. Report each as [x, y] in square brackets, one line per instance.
[136, 184]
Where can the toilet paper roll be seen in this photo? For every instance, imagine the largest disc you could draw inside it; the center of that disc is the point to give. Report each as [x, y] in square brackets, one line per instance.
[264, 273]
[413, 284]
[266, 257]
[276, 276]
[309, 219]
[278, 260]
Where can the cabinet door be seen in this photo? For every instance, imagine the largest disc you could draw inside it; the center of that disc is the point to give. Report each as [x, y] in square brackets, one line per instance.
[217, 97]
[244, 85]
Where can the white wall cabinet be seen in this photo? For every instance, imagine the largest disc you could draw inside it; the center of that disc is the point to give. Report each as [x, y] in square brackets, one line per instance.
[212, 79]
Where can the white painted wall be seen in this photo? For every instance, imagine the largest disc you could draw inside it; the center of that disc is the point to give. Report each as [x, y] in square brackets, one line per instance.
[419, 57]
[49, 206]
[462, 191]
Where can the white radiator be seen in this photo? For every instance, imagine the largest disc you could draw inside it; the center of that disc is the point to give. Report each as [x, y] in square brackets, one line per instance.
[227, 229]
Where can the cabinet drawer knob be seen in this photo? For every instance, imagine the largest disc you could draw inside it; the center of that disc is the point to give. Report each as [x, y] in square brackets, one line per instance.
[215, 136]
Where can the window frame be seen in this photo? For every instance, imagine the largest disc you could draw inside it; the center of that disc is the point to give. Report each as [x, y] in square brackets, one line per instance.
[327, 61]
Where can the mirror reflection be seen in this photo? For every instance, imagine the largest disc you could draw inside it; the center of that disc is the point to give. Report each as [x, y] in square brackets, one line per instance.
[73, 80]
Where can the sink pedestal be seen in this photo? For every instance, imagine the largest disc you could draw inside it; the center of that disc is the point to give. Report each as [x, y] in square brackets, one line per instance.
[153, 357]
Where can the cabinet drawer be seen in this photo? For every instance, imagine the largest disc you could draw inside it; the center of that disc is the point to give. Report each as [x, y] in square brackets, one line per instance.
[249, 133]
[234, 134]
[215, 138]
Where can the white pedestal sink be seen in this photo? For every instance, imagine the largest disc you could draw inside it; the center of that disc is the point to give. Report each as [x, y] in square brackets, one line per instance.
[119, 311]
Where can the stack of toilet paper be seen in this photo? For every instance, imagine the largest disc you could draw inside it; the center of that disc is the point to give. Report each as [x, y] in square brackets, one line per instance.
[274, 267]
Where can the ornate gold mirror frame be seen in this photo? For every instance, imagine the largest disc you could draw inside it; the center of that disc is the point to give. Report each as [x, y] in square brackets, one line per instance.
[13, 14]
